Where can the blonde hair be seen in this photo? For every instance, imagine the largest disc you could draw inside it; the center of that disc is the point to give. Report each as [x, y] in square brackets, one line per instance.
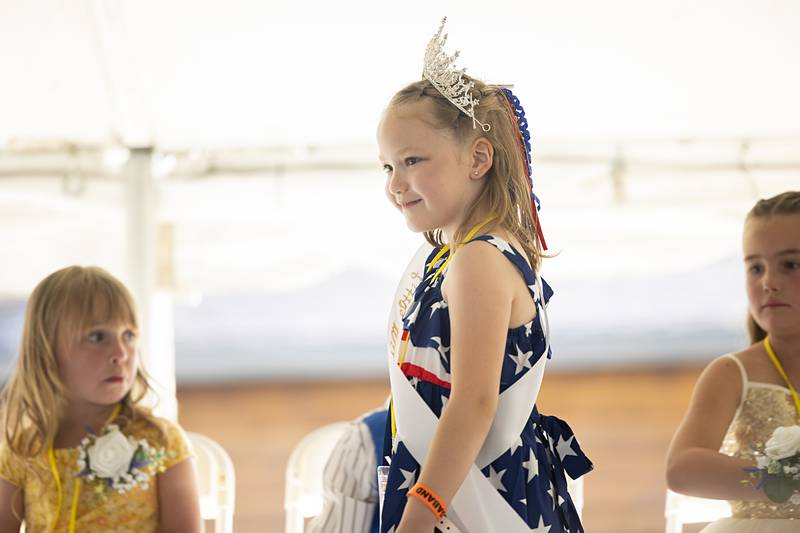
[65, 302]
[786, 203]
[507, 192]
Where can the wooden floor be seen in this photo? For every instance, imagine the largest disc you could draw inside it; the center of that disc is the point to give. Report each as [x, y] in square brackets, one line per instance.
[624, 421]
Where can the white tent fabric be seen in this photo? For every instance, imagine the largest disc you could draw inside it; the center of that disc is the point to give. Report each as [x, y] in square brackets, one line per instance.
[187, 74]
[655, 125]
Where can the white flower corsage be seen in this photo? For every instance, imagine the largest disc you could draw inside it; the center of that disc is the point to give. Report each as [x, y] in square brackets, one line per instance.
[777, 471]
[117, 462]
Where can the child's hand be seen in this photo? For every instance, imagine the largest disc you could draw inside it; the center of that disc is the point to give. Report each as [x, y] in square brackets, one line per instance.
[416, 518]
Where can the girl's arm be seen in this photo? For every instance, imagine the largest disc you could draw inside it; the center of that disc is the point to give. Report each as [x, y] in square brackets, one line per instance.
[12, 505]
[694, 464]
[479, 293]
[179, 499]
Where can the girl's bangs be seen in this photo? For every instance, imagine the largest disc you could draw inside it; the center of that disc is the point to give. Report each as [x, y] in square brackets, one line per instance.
[97, 301]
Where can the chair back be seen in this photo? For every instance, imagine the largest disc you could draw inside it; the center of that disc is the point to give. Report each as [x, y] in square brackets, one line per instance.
[681, 509]
[303, 497]
[216, 481]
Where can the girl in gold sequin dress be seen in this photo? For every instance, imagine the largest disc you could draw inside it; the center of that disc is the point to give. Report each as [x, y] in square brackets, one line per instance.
[741, 398]
[78, 451]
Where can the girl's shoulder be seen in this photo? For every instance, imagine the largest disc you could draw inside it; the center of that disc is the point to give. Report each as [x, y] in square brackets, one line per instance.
[483, 258]
[757, 365]
[498, 251]
[490, 271]
[163, 434]
[496, 248]
[14, 466]
[725, 371]
[728, 374]
[720, 387]
[25, 445]
[155, 429]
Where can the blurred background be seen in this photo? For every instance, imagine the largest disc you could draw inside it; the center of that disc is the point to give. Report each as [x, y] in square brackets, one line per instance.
[219, 158]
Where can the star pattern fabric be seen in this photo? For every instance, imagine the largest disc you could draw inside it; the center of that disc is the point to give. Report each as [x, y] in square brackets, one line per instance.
[522, 360]
[501, 245]
[530, 475]
[438, 305]
[564, 448]
[409, 479]
[517, 443]
[496, 479]
[541, 528]
[531, 465]
[440, 347]
[535, 292]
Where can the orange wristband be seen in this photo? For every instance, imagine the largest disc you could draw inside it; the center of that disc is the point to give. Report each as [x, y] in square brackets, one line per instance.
[426, 495]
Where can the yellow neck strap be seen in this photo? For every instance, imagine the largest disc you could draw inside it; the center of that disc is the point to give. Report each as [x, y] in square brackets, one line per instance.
[782, 372]
[446, 248]
[51, 456]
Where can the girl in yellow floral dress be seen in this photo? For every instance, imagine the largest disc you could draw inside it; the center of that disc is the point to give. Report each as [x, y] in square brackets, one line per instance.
[79, 452]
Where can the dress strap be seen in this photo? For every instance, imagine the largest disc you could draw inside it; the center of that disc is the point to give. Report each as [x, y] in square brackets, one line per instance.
[743, 372]
[518, 260]
[741, 368]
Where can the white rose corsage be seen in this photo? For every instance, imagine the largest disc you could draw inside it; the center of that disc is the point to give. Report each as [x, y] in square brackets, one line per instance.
[116, 462]
[778, 469]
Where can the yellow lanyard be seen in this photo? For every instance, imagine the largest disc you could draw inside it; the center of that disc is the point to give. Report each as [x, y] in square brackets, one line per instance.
[778, 366]
[446, 248]
[51, 456]
[406, 333]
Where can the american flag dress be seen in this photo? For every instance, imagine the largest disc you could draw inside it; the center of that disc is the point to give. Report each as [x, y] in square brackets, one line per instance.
[530, 475]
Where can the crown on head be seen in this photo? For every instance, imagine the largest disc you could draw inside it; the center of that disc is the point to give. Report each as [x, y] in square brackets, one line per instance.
[440, 70]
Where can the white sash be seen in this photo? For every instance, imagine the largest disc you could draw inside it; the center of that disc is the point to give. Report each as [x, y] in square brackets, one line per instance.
[404, 296]
[477, 507]
[513, 410]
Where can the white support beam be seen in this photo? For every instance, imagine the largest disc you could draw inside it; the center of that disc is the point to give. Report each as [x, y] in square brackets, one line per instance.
[154, 302]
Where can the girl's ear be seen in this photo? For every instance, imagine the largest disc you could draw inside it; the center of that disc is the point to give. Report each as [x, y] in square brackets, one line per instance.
[482, 155]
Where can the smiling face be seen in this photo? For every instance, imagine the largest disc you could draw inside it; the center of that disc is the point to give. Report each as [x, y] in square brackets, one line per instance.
[97, 362]
[429, 174]
[772, 261]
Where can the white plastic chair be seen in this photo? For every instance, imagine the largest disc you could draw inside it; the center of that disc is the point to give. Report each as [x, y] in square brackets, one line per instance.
[303, 497]
[304, 491]
[217, 482]
[681, 509]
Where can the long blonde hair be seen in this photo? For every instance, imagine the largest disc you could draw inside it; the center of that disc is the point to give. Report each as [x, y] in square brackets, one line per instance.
[65, 302]
[507, 192]
[786, 203]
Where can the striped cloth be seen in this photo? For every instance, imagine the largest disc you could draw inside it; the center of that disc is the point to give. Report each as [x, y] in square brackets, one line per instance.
[350, 481]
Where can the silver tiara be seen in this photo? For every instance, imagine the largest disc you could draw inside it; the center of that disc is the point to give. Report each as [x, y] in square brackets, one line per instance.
[440, 70]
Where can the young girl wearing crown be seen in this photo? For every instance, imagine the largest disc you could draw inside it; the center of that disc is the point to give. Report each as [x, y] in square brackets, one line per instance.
[79, 452]
[466, 446]
[740, 399]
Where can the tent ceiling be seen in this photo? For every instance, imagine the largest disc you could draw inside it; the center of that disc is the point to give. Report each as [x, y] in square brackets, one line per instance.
[247, 89]
[183, 74]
